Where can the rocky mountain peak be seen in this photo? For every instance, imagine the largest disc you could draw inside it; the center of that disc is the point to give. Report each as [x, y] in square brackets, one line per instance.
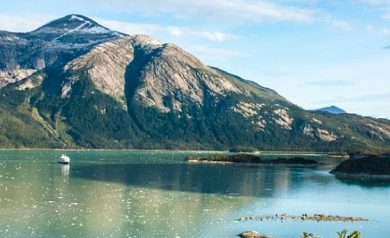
[160, 72]
[144, 40]
[56, 42]
[72, 23]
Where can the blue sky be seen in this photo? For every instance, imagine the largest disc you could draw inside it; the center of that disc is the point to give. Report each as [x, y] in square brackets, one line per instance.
[315, 53]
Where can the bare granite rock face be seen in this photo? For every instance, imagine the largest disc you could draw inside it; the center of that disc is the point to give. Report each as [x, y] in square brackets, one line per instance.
[172, 72]
[12, 76]
[106, 66]
[161, 70]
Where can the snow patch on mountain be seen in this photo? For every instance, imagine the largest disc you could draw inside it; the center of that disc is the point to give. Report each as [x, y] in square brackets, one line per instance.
[76, 18]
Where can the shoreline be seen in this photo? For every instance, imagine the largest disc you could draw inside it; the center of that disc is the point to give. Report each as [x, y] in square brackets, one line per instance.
[277, 152]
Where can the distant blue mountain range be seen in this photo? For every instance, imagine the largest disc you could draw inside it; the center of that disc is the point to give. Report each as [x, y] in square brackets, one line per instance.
[331, 109]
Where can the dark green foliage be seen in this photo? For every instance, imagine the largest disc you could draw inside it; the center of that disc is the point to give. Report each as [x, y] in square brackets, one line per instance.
[250, 158]
[20, 130]
[308, 235]
[344, 234]
[372, 165]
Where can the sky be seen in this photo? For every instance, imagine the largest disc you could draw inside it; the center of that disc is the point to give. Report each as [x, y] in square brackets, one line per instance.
[315, 53]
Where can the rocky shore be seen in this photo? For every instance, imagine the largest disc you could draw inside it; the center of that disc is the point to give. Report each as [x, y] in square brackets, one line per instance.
[249, 158]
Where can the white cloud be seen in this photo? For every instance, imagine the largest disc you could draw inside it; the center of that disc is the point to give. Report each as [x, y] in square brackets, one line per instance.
[214, 36]
[378, 30]
[340, 24]
[386, 17]
[152, 29]
[23, 24]
[369, 28]
[234, 10]
[375, 2]
[175, 31]
[330, 83]
[130, 28]
[210, 54]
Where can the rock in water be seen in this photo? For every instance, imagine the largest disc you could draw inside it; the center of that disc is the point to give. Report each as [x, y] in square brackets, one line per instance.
[370, 165]
[253, 234]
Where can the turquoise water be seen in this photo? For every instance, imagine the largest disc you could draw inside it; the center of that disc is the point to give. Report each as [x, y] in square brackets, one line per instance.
[157, 194]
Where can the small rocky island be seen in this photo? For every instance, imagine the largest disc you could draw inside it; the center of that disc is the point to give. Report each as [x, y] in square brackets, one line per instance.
[364, 165]
[250, 158]
[301, 218]
[252, 234]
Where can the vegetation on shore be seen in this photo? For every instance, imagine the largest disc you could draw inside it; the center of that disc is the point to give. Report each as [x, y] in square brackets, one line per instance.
[342, 234]
[372, 165]
[250, 158]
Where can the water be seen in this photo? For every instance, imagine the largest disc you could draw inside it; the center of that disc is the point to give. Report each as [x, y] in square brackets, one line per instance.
[157, 194]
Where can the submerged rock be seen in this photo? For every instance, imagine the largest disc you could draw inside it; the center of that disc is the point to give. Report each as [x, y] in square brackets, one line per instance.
[252, 234]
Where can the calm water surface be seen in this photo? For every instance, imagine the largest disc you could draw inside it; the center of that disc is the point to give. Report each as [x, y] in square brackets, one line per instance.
[157, 194]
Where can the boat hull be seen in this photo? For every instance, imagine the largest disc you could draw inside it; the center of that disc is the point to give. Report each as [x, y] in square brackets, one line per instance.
[63, 162]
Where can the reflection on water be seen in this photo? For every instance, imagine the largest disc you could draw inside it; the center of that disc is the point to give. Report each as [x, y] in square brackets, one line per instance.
[155, 194]
[262, 181]
[369, 182]
[65, 169]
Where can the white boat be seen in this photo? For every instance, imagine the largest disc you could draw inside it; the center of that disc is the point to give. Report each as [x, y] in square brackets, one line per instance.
[64, 159]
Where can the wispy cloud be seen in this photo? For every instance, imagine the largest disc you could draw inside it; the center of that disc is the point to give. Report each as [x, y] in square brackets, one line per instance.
[386, 17]
[215, 54]
[23, 23]
[368, 98]
[330, 83]
[130, 28]
[152, 29]
[374, 2]
[340, 24]
[378, 30]
[234, 10]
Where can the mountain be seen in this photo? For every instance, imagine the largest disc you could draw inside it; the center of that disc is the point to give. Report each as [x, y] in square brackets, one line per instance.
[22, 54]
[119, 91]
[331, 109]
